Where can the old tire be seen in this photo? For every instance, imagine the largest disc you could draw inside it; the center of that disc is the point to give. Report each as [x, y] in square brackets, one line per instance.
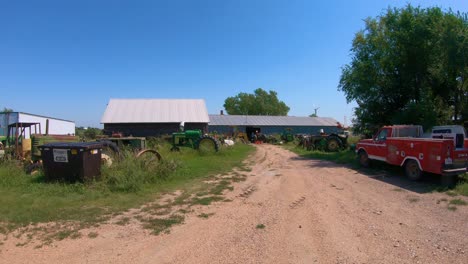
[412, 170]
[110, 149]
[364, 160]
[148, 156]
[33, 168]
[333, 144]
[207, 144]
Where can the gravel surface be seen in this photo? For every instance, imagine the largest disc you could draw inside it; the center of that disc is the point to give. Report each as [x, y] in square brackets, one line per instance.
[289, 210]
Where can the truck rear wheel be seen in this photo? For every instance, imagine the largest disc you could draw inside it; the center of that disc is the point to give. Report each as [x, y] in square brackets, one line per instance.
[363, 159]
[412, 170]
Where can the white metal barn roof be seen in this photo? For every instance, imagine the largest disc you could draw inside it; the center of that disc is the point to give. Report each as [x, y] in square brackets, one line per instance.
[155, 111]
[247, 120]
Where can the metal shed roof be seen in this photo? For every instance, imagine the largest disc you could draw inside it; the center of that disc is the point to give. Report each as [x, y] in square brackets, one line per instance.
[155, 111]
[247, 120]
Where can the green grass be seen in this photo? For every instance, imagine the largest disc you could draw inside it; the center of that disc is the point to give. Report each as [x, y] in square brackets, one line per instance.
[458, 202]
[205, 216]
[159, 225]
[92, 234]
[452, 208]
[340, 157]
[260, 226]
[206, 200]
[127, 184]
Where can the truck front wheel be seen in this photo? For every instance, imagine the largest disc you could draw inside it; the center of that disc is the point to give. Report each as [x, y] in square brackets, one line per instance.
[363, 159]
[412, 170]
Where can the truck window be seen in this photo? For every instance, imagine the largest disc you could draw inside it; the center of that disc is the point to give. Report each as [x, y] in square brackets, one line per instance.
[382, 135]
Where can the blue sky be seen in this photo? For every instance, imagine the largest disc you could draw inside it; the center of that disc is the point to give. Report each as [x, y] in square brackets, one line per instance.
[66, 59]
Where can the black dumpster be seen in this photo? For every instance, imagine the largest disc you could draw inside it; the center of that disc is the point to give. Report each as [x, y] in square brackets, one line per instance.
[71, 161]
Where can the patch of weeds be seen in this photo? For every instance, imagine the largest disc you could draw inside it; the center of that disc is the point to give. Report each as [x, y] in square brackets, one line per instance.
[239, 178]
[21, 244]
[260, 226]
[184, 211]
[61, 235]
[244, 168]
[452, 208]
[278, 174]
[227, 200]
[157, 207]
[39, 246]
[397, 190]
[458, 202]
[159, 225]
[451, 193]
[181, 199]
[203, 215]
[75, 235]
[162, 212]
[201, 194]
[93, 234]
[413, 199]
[206, 200]
[220, 187]
[123, 221]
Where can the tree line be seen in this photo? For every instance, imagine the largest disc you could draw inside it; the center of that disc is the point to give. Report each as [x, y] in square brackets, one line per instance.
[409, 66]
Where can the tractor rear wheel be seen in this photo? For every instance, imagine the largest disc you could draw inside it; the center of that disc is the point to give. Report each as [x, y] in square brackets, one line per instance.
[333, 144]
[207, 144]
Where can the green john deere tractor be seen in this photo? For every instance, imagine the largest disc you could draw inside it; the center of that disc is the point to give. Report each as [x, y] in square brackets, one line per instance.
[194, 139]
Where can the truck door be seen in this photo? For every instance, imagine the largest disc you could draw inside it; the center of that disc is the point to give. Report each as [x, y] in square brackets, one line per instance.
[380, 145]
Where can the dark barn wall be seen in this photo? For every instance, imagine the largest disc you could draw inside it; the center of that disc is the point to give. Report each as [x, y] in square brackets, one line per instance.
[150, 129]
[267, 130]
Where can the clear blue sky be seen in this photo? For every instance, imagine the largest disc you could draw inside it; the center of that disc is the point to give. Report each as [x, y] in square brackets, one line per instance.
[66, 59]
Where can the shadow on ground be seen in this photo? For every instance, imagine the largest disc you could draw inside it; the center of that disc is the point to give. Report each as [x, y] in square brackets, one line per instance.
[383, 172]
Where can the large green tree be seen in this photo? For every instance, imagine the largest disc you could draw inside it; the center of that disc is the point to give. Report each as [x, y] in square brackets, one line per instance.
[404, 69]
[258, 103]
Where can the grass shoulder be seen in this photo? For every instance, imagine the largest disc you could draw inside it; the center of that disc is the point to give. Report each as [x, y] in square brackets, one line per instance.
[29, 200]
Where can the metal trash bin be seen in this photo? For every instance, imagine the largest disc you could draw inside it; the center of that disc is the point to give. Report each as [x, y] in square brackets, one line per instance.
[71, 161]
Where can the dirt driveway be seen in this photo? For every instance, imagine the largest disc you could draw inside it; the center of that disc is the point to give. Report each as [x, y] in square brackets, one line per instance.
[289, 210]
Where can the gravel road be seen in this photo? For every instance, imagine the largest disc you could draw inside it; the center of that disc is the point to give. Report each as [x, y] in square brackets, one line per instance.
[289, 210]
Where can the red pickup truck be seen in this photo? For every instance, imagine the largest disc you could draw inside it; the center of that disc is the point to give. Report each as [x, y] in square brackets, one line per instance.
[408, 147]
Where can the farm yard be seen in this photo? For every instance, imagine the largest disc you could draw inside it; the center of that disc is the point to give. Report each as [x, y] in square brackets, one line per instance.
[275, 206]
[139, 132]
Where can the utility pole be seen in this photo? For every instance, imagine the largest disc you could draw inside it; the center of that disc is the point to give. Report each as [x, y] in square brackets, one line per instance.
[315, 111]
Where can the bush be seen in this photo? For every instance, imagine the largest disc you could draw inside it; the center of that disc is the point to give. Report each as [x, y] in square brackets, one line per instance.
[130, 174]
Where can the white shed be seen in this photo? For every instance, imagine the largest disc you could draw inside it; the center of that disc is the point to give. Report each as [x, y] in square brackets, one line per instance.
[32, 124]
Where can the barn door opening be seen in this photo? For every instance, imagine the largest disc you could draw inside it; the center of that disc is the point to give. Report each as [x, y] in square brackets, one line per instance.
[251, 132]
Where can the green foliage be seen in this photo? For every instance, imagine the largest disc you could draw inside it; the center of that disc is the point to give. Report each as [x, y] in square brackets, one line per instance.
[89, 133]
[259, 103]
[404, 69]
